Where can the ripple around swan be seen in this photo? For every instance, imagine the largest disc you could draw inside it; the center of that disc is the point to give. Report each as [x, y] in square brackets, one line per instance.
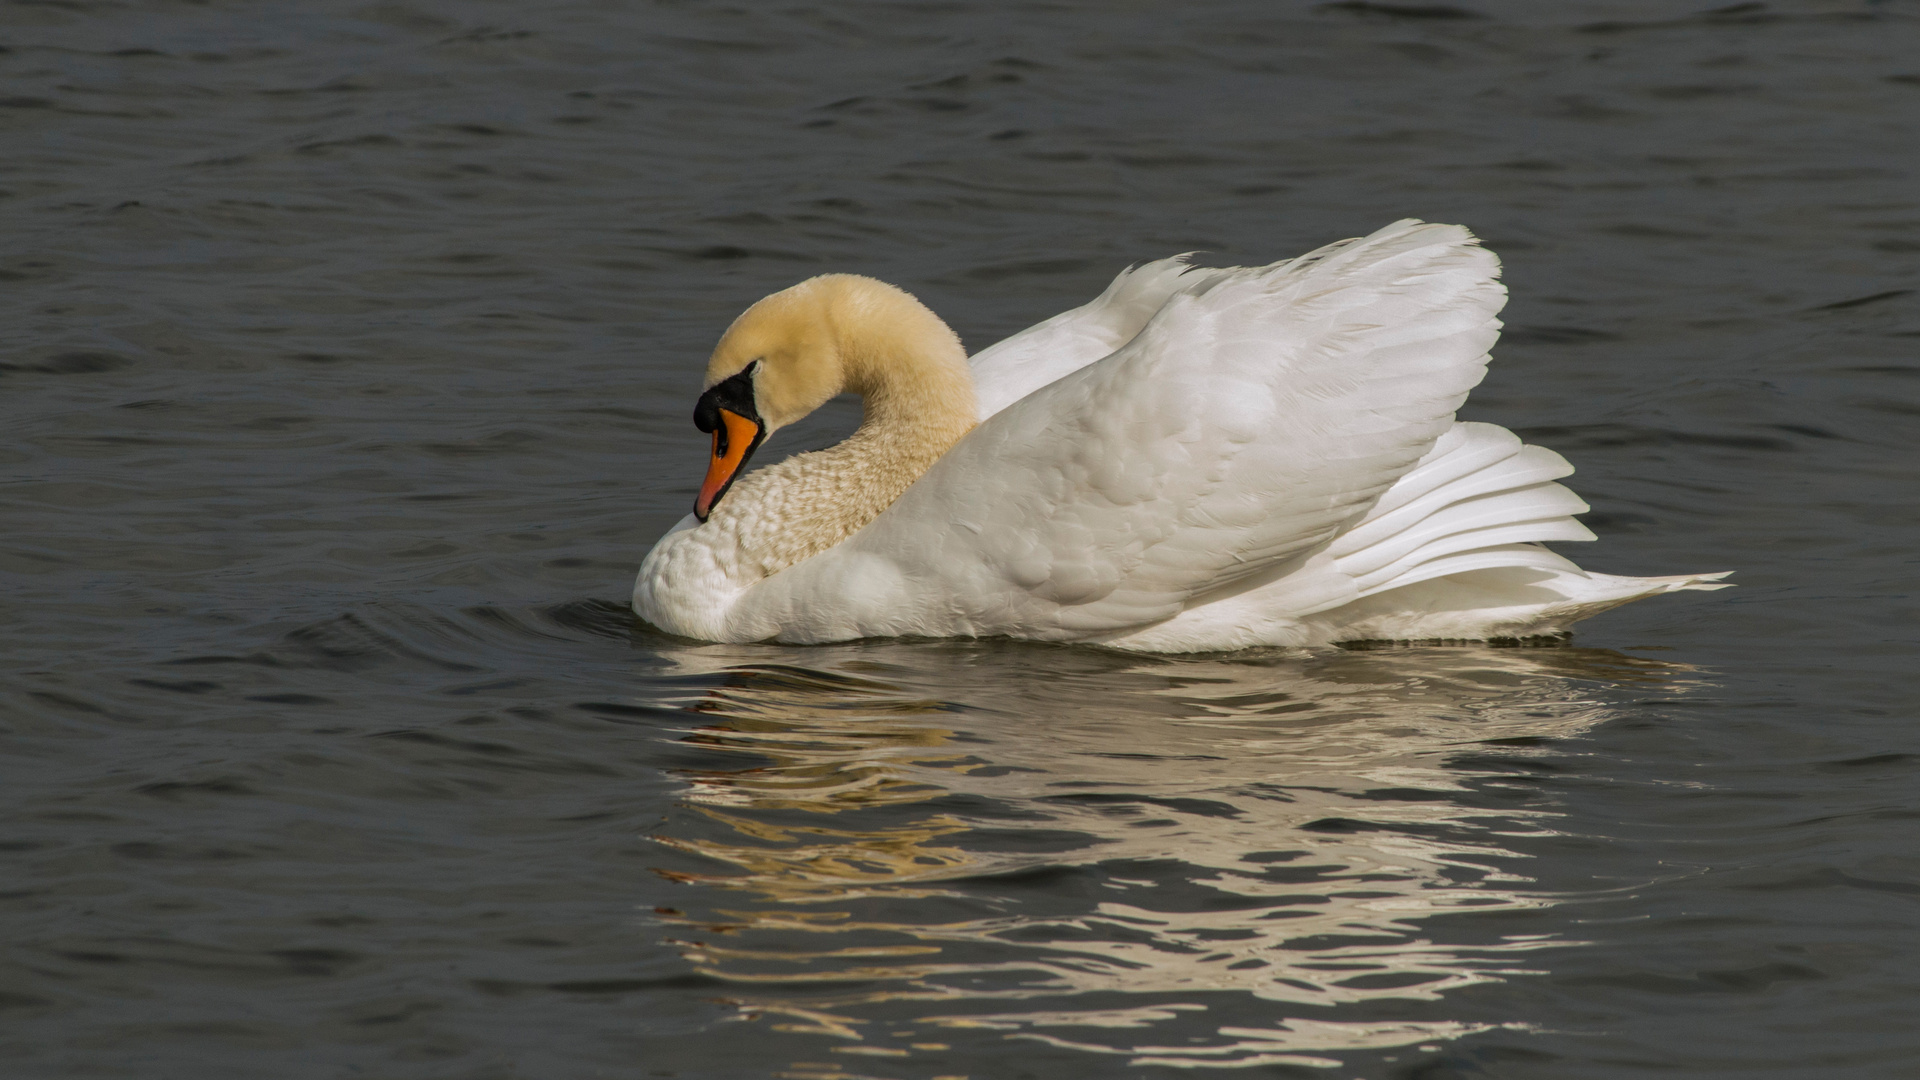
[932, 839]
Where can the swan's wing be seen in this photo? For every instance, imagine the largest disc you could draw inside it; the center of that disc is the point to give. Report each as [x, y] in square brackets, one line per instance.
[1010, 370]
[1249, 422]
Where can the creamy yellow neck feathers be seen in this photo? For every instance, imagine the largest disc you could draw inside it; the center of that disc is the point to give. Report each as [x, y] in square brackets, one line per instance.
[840, 332]
[843, 332]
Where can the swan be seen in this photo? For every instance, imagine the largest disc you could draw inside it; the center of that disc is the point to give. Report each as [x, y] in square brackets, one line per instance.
[1197, 460]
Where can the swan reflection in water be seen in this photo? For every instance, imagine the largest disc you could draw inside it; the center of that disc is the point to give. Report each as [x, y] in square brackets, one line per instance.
[1185, 861]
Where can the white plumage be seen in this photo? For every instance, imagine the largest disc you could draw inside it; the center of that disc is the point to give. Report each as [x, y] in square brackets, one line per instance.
[1204, 459]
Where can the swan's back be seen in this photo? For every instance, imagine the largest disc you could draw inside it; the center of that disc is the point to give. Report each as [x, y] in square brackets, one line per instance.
[1005, 372]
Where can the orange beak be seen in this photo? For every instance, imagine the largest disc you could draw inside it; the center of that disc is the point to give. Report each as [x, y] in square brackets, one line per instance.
[733, 440]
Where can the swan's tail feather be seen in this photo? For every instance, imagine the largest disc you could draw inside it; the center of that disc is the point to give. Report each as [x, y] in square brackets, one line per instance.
[1701, 582]
[1493, 602]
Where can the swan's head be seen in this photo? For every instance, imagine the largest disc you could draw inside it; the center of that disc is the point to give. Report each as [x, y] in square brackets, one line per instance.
[791, 352]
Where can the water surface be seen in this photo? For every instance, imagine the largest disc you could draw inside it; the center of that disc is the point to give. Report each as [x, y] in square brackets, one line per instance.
[346, 367]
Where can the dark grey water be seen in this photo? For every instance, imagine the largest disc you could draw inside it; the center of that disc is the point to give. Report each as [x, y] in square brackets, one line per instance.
[346, 359]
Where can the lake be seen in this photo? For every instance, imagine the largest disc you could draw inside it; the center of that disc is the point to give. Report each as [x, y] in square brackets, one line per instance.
[347, 365]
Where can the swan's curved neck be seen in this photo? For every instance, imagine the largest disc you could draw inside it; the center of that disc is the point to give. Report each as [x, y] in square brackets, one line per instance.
[917, 391]
[911, 374]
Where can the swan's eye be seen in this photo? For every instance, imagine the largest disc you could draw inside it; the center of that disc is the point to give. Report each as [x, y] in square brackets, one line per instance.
[733, 393]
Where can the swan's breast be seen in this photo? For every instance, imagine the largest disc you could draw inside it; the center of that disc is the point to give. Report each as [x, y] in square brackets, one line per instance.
[688, 584]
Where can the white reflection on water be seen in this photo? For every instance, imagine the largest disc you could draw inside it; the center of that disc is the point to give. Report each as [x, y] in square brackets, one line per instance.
[1004, 838]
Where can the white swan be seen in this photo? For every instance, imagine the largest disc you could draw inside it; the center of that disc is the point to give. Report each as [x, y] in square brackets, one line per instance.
[1197, 460]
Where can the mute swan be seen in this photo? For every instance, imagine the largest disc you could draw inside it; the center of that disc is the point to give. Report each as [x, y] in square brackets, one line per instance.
[1199, 459]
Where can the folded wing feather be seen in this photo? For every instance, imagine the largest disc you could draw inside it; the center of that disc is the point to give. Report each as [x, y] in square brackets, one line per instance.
[1005, 372]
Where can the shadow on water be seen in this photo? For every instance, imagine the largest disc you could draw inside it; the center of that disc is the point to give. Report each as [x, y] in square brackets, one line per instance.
[1190, 862]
